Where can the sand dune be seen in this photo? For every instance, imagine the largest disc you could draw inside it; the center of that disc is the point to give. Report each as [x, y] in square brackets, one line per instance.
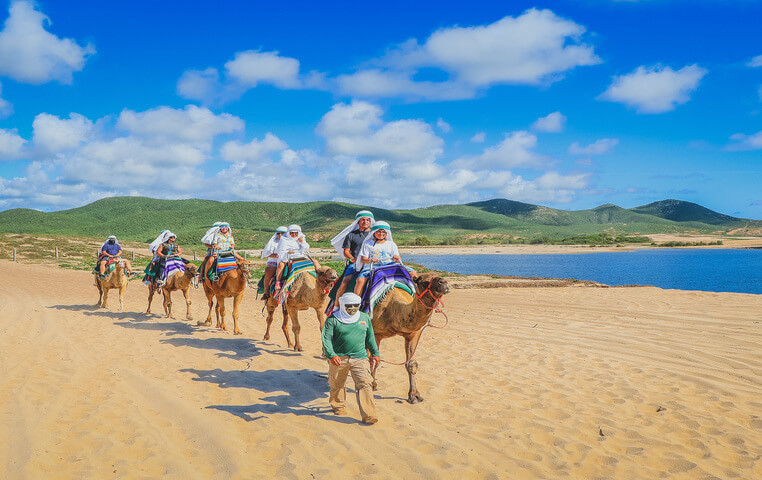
[621, 383]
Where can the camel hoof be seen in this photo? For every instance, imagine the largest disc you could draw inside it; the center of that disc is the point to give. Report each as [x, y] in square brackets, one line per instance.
[298, 348]
[375, 386]
[267, 337]
[237, 332]
[415, 398]
[207, 323]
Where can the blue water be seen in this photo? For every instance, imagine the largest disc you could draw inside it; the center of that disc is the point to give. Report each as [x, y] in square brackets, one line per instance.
[684, 269]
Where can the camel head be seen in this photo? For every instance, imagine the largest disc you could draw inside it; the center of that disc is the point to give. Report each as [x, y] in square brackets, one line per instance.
[191, 269]
[438, 286]
[245, 268]
[328, 275]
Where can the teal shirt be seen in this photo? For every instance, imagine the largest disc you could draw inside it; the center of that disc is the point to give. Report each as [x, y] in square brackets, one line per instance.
[352, 340]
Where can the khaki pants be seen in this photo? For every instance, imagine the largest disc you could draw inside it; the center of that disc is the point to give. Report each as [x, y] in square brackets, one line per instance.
[337, 379]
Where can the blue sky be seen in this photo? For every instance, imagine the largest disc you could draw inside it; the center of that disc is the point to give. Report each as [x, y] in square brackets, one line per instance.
[569, 104]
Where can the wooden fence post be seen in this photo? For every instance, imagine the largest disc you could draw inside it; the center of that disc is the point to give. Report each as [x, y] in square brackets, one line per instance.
[56, 253]
[194, 256]
[14, 254]
[245, 255]
[133, 255]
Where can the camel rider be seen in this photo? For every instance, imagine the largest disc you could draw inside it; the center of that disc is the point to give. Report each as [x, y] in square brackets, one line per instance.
[347, 338]
[378, 249]
[208, 241]
[111, 249]
[156, 262]
[167, 249]
[221, 241]
[271, 254]
[348, 244]
[293, 243]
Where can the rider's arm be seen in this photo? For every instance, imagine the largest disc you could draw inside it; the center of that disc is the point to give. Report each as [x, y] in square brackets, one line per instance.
[348, 254]
[179, 251]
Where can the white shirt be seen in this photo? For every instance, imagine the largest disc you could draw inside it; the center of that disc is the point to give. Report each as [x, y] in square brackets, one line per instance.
[382, 251]
[287, 244]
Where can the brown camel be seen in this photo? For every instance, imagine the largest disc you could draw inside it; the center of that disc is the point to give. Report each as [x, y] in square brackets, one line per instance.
[177, 281]
[306, 292]
[230, 284]
[117, 279]
[405, 315]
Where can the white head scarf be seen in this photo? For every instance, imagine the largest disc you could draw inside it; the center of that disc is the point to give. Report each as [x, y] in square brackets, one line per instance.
[287, 242]
[338, 240]
[208, 237]
[341, 314]
[163, 237]
[272, 244]
[371, 239]
[110, 237]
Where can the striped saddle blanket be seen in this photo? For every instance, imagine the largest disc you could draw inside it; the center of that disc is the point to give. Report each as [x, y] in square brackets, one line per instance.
[172, 266]
[295, 269]
[382, 281]
[226, 262]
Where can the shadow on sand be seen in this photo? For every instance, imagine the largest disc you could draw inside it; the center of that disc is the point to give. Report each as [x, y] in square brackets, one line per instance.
[296, 389]
[238, 348]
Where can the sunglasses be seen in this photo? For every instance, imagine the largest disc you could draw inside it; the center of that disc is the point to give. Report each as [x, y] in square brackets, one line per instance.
[352, 305]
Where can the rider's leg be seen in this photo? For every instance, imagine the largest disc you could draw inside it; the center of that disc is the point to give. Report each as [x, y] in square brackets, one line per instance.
[269, 271]
[278, 273]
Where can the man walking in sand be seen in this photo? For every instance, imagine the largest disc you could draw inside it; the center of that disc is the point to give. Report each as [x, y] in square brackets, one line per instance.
[347, 337]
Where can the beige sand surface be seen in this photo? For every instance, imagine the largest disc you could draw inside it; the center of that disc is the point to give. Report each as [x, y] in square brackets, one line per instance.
[535, 383]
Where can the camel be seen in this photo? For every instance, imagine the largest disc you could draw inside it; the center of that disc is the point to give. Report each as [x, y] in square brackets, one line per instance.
[177, 281]
[306, 292]
[405, 315]
[117, 279]
[230, 284]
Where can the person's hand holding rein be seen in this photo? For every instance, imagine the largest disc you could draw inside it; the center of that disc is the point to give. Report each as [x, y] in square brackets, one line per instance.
[336, 361]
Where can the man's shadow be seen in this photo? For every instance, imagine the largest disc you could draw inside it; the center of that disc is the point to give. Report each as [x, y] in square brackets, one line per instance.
[294, 392]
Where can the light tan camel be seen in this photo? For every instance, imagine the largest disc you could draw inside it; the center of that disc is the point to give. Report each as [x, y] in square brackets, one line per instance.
[406, 315]
[117, 279]
[306, 292]
[230, 284]
[177, 281]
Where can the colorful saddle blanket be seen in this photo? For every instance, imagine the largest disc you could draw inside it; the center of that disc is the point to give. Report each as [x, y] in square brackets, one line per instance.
[172, 266]
[382, 280]
[226, 262]
[295, 269]
[110, 265]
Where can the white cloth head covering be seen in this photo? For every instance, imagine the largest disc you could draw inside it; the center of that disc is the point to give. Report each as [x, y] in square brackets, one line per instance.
[287, 243]
[371, 239]
[338, 240]
[341, 314]
[110, 237]
[208, 237]
[272, 244]
[163, 237]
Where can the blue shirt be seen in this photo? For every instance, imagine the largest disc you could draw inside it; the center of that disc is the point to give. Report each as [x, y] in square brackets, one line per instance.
[111, 249]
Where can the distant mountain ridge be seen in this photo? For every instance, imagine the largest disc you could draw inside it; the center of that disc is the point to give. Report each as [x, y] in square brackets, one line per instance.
[142, 218]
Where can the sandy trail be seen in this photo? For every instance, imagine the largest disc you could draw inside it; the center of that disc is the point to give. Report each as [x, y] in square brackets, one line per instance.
[524, 383]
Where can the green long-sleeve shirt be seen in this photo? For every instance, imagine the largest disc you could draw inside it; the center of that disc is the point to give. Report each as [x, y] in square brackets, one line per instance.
[352, 339]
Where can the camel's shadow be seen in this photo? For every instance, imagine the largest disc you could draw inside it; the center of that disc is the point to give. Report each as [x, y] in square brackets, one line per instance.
[171, 328]
[296, 391]
[241, 348]
[77, 308]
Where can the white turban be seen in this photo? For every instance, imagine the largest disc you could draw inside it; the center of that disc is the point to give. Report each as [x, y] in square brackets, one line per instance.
[163, 237]
[338, 240]
[272, 244]
[288, 243]
[208, 237]
[341, 314]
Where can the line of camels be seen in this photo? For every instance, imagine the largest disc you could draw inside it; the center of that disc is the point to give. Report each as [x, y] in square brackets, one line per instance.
[399, 314]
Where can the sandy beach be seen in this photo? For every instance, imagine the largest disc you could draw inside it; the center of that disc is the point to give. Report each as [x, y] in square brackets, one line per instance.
[527, 383]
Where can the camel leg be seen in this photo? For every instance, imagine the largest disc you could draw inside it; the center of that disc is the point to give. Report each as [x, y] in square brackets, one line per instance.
[411, 342]
[210, 300]
[321, 318]
[167, 302]
[150, 299]
[295, 327]
[284, 310]
[188, 315]
[269, 320]
[236, 303]
[105, 297]
[221, 313]
[373, 372]
[100, 294]
[121, 297]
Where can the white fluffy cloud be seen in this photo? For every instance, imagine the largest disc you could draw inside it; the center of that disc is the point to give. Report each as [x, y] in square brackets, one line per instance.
[53, 134]
[479, 137]
[10, 144]
[246, 70]
[550, 187]
[533, 48]
[358, 130]
[655, 89]
[515, 151]
[193, 125]
[755, 62]
[5, 106]
[553, 122]
[599, 147]
[443, 126]
[31, 54]
[741, 141]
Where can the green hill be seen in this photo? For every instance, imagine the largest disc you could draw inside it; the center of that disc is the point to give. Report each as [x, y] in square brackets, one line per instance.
[141, 219]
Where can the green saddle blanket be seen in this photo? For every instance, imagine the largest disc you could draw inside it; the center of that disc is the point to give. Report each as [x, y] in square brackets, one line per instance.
[283, 277]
